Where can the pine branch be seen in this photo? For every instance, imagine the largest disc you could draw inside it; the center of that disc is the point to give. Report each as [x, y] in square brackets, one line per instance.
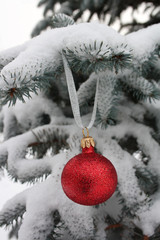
[150, 67]
[97, 57]
[125, 210]
[48, 139]
[41, 25]
[112, 9]
[107, 99]
[61, 20]
[13, 209]
[20, 78]
[23, 89]
[139, 88]
[59, 227]
[87, 90]
[7, 218]
[148, 181]
[12, 94]
[29, 170]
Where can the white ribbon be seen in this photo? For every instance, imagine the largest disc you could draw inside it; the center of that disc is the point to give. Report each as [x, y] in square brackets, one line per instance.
[74, 98]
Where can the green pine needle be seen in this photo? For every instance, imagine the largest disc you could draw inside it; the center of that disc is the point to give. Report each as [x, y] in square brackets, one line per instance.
[139, 88]
[10, 95]
[61, 20]
[109, 120]
[98, 57]
[148, 181]
[9, 216]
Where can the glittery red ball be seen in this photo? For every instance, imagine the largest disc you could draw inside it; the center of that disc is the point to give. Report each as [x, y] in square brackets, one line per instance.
[89, 178]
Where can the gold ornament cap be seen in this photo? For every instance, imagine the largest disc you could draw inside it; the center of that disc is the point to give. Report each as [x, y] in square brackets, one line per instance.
[87, 141]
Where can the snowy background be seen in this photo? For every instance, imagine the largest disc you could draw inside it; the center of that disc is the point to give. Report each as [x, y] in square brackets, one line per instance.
[17, 19]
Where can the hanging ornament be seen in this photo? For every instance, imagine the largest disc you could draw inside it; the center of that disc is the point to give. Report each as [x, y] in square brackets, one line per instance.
[88, 178]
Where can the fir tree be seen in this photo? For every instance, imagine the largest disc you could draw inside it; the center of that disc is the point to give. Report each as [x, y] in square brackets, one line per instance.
[39, 123]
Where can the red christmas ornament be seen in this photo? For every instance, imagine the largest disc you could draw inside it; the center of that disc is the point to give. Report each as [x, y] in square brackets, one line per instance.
[89, 178]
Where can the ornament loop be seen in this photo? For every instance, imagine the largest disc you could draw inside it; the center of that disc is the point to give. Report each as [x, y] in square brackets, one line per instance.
[87, 141]
[87, 132]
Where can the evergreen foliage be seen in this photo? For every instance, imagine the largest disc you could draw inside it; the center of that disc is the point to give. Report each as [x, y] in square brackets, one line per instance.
[106, 10]
[40, 134]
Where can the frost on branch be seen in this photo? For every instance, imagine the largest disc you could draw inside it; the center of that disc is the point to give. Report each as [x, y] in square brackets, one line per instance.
[88, 47]
[45, 126]
[76, 221]
[106, 99]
